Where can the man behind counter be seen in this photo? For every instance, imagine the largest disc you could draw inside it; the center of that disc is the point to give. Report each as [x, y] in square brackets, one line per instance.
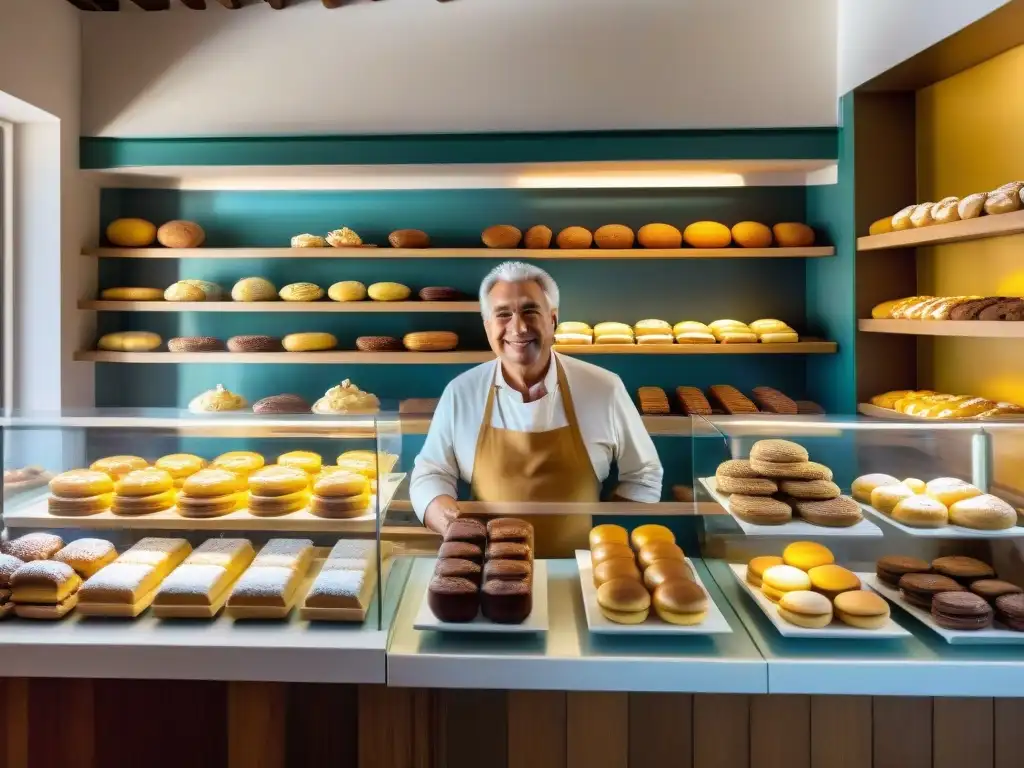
[533, 425]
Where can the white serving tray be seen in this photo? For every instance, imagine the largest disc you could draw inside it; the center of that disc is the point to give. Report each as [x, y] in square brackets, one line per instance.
[795, 528]
[599, 624]
[997, 635]
[946, 531]
[836, 630]
[536, 622]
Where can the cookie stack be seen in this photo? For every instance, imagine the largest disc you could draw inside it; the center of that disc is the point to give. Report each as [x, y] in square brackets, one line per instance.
[277, 490]
[340, 494]
[961, 593]
[80, 492]
[778, 482]
[211, 493]
[143, 491]
[653, 401]
[484, 569]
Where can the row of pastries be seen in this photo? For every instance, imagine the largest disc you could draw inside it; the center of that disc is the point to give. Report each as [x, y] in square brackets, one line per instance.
[255, 289]
[306, 341]
[653, 331]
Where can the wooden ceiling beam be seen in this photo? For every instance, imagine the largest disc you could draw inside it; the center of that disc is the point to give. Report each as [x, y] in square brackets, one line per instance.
[85, 5]
[195, 5]
[333, 3]
[278, 5]
[153, 5]
[232, 4]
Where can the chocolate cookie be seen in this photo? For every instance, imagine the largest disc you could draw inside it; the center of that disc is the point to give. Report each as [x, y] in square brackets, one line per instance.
[1010, 611]
[892, 567]
[841, 512]
[992, 589]
[963, 569]
[969, 309]
[379, 344]
[773, 401]
[730, 400]
[961, 611]
[1010, 309]
[919, 588]
[285, 403]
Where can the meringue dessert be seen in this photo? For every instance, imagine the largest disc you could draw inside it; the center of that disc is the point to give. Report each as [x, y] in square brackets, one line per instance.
[216, 400]
[344, 238]
[347, 398]
[309, 241]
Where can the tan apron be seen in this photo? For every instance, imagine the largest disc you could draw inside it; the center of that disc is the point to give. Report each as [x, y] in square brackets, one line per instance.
[539, 466]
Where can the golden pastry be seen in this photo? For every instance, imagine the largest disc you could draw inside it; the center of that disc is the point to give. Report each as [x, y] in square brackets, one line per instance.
[307, 461]
[274, 506]
[182, 291]
[301, 292]
[901, 219]
[346, 398]
[82, 483]
[921, 216]
[430, 341]
[793, 235]
[241, 463]
[180, 234]
[652, 328]
[180, 465]
[130, 341]
[950, 490]
[409, 238]
[613, 236]
[501, 236]
[574, 237]
[213, 482]
[309, 342]
[217, 400]
[646, 534]
[278, 480]
[144, 482]
[388, 292]
[340, 485]
[659, 236]
[212, 506]
[131, 233]
[115, 466]
[143, 505]
[751, 234]
[344, 238]
[707, 234]
[884, 498]
[972, 206]
[132, 294]
[945, 211]
[921, 511]
[347, 290]
[881, 227]
[254, 289]
[537, 237]
[309, 241]
[87, 556]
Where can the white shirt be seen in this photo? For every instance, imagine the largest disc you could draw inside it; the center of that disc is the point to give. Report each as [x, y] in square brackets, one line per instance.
[611, 427]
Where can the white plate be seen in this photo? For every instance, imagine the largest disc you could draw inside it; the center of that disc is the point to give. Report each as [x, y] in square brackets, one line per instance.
[536, 622]
[997, 635]
[795, 528]
[946, 531]
[599, 624]
[835, 630]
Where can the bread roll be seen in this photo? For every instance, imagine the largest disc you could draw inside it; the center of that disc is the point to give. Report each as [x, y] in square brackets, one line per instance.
[184, 292]
[659, 236]
[707, 234]
[881, 227]
[945, 211]
[613, 236]
[901, 220]
[1003, 200]
[972, 206]
[501, 236]
[751, 234]
[180, 234]
[616, 568]
[921, 511]
[574, 237]
[538, 236]
[793, 234]
[984, 513]
[921, 216]
[409, 238]
[624, 601]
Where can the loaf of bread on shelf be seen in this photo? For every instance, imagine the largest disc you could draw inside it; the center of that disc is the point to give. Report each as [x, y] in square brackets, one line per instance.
[921, 216]
[972, 206]
[928, 404]
[1005, 199]
[945, 211]
[901, 219]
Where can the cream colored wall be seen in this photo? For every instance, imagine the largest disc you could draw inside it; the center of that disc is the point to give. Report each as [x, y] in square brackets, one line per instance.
[416, 66]
[40, 81]
[876, 35]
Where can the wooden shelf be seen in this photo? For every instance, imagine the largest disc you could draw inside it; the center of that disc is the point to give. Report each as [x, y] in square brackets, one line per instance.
[449, 358]
[459, 253]
[998, 225]
[281, 306]
[980, 329]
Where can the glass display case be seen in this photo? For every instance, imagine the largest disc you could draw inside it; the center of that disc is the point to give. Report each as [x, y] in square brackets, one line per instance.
[921, 518]
[240, 515]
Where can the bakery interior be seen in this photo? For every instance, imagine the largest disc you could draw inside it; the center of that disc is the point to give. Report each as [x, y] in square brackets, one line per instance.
[242, 245]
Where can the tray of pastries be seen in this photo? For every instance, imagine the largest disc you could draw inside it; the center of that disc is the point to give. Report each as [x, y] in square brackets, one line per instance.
[779, 491]
[961, 599]
[641, 583]
[805, 594]
[486, 580]
[928, 404]
[942, 508]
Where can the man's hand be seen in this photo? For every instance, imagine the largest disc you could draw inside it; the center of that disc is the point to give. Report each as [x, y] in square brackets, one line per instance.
[439, 514]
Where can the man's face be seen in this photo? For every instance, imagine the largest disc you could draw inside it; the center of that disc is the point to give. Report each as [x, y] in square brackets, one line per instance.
[521, 326]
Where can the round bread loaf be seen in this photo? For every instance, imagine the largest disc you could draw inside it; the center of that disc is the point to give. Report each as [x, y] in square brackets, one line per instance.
[409, 238]
[614, 236]
[608, 533]
[884, 498]
[985, 513]
[254, 289]
[865, 484]
[707, 234]
[778, 451]
[439, 293]
[1003, 200]
[538, 237]
[616, 568]
[624, 601]
[388, 292]
[212, 291]
[254, 344]
[574, 237]
[430, 341]
[378, 344]
[501, 236]
[181, 234]
[131, 233]
[611, 551]
[793, 235]
[309, 342]
[286, 403]
[182, 291]
[972, 206]
[302, 292]
[347, 290]
[659, 236]
[921, 511]
[309, 241]
[130, 341]
[132, 294]
[661, 571]
[650, 553]
[751, 234]
[680, 601]
[921, 216]
[195, 344]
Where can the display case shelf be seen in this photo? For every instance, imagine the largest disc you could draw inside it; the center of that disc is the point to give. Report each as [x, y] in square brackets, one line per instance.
[998, 225]
[980, 329]
[453, 357]
[280, 306]
[532, 254]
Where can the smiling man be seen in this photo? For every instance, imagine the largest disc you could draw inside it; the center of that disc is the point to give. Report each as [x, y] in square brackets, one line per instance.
[532, 425]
